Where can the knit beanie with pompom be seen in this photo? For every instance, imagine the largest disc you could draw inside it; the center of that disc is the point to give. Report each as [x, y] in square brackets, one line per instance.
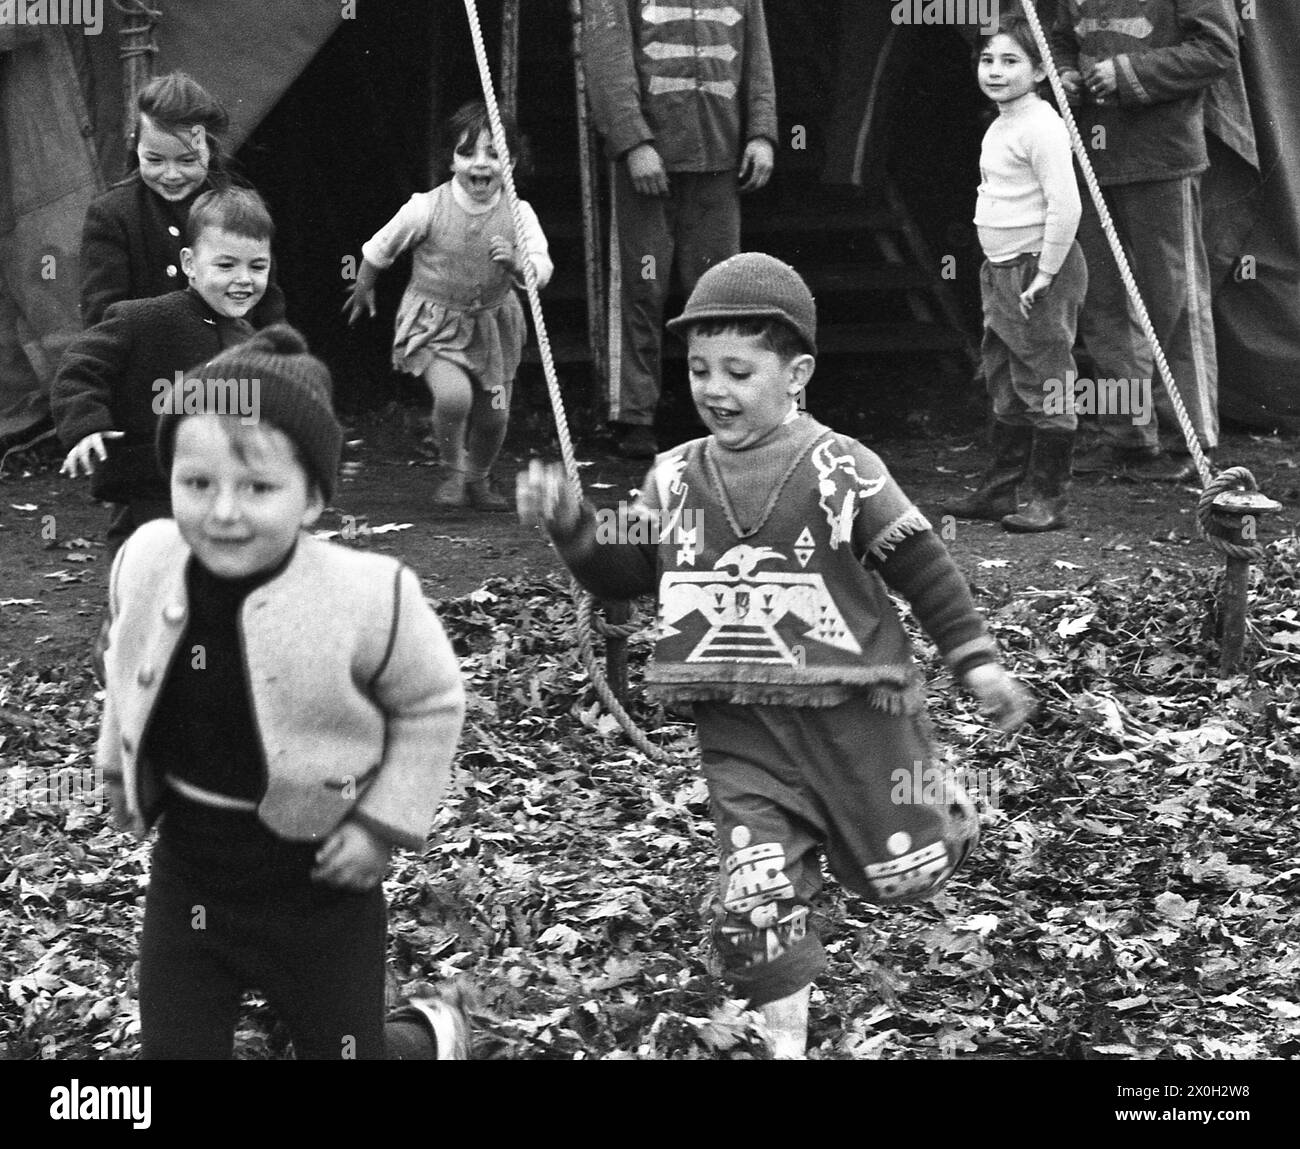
[292, 390]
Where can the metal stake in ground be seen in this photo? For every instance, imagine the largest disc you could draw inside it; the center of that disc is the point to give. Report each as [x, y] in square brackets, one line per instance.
[1233, 528]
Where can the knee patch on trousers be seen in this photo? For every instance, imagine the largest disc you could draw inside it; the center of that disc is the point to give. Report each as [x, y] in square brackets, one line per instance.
[913, 872]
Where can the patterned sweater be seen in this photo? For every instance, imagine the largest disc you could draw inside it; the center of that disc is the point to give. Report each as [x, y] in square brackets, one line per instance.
[768, 563]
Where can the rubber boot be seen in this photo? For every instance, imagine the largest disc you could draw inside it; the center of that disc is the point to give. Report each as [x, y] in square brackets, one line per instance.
[995, 497]
[1048, 482]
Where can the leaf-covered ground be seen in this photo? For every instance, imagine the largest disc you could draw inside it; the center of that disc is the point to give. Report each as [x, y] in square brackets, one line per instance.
[1134, 895]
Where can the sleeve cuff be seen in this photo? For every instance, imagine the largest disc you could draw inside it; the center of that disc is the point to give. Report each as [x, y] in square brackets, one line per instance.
[386, 833]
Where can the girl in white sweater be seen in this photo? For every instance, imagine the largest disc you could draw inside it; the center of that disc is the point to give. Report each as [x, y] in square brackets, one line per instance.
[1032, 283]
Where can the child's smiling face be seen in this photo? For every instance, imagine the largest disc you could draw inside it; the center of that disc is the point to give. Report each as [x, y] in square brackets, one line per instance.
[240, 494]
[1006, 72]
[230, 271]
[173, 164]
[476, 168]
[742, 389]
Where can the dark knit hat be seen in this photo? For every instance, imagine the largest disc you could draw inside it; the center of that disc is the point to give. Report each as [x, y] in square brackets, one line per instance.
[291, 391]
[752, 285]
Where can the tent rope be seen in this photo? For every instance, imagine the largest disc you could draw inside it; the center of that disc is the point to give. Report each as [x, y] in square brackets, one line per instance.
[1241, 477]
[139, 10]
[583, 600]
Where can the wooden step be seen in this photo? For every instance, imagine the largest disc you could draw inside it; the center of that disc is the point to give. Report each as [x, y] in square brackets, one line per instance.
[823, 279]
[863, 339]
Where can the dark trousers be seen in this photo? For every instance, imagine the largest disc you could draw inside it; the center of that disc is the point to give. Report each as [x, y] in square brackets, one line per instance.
[1029, 363]
[698, 224]
[791, 784]
[1159, 224]
[230, 906]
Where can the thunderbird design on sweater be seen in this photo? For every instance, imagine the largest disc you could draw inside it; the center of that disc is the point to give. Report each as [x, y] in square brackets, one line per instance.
[743, 607]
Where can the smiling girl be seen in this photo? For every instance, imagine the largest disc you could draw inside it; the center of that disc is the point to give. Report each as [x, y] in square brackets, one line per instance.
[460, 325]
[1032, 282]
[133, 234]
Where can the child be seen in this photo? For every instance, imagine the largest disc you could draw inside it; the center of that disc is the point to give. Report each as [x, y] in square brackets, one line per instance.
[114, 379]
[289, 707]
[460, 324]
[773, 535]
[1032, 282]
[131, 240]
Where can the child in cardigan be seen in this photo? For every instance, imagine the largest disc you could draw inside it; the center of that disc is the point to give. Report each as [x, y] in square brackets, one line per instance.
[460, 324]
[132, 238]
[116, 377]
[773, 536]
[290, 708]
[1033, 282]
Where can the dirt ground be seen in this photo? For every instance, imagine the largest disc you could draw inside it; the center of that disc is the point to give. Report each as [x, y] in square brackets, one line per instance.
[53, 568]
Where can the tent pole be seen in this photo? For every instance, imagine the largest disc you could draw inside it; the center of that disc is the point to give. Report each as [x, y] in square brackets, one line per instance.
[593, 263]
[510, 58]
[137, 50]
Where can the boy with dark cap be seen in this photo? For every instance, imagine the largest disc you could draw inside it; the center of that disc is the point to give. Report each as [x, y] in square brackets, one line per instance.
[291, 707]
[772, 536]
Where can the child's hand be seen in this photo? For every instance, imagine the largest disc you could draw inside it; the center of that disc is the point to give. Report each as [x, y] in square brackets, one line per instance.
[645, 168]
[544, 495]
[1072, 82]
[84, 454]
[756, 164]
[1040, 283]
[1001, 696]
[503, 251]
[360, 300]
[351, 858]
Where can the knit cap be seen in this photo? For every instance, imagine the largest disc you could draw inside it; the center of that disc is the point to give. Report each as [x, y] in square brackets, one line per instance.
[751, 285]
[292, 392]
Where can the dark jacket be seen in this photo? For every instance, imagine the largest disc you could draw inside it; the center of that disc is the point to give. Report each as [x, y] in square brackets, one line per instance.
[694, 81]
[106, 382]
[131, 249]
[1167, 53]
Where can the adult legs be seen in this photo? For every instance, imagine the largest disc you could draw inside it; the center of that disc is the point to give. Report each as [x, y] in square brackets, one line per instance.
[1162, 220]
[1116, 344]
[646, 227]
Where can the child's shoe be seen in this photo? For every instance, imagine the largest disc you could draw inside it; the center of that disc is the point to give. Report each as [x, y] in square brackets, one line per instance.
[484, 496]
[451, 491]
[444, 1008]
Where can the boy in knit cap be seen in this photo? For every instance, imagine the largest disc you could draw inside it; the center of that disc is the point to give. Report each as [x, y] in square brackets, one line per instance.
[774, 539]
[291, 708]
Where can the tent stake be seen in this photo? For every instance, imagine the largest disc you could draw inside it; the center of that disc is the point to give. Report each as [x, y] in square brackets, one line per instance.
[1236, 516]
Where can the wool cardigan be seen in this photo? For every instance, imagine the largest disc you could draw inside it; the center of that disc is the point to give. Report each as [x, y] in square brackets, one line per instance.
[131, 249]
[355, 689]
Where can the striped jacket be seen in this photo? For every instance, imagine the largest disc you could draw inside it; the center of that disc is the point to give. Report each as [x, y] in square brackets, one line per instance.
[695, 80]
